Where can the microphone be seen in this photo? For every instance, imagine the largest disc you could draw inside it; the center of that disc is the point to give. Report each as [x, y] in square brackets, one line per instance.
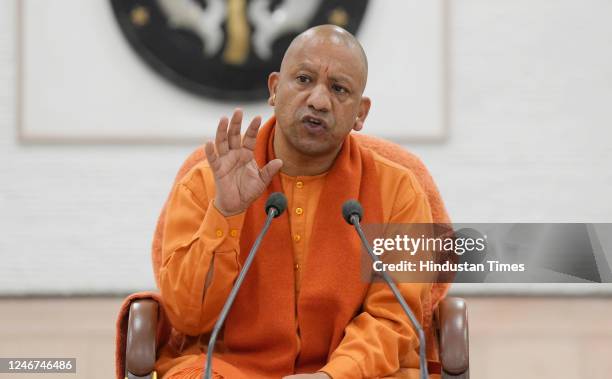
[350, 209]
[353, 213]
[275, 206]
[276, 202]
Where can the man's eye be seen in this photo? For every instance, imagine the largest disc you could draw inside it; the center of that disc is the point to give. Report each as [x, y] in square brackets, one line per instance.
[303, 79]
[339, 89]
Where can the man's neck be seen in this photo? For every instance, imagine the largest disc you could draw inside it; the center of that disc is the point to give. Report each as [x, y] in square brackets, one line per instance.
[297, 164]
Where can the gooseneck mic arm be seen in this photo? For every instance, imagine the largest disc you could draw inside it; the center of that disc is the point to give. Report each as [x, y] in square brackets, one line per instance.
[275, 206]
[353, 213]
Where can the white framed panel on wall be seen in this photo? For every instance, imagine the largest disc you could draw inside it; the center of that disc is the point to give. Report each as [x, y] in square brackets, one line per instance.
[79, 81]
[406, 43]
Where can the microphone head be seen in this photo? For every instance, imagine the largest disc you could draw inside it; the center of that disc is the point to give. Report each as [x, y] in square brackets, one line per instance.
[352, 208]
[278, 201]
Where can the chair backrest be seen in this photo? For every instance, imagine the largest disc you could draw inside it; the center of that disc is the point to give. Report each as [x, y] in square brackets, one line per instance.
[382, 147]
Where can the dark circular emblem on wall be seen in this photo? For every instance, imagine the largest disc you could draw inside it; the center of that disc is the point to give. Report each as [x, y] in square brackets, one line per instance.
[225, 49]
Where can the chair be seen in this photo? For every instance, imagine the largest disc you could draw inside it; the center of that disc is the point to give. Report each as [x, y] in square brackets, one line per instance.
[142, 326]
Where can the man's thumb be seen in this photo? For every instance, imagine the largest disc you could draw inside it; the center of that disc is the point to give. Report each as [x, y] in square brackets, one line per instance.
[269, 170]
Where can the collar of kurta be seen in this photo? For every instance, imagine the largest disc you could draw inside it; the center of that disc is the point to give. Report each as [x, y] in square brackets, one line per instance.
[352, 176]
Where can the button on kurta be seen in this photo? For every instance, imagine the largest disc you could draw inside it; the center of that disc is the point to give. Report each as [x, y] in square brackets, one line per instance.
[233, 232]
[297, 238]
[299, 184]
[219, 233]
[299, 211]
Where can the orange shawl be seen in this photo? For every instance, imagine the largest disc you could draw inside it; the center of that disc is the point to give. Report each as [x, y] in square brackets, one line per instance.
[260, 332]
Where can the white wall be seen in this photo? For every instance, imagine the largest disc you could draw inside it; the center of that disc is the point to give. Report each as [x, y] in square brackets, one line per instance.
[531, 112]
[530, 120]
[84, 85]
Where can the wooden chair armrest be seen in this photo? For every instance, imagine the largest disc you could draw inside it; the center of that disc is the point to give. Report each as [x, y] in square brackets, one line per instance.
[451, 324]
[141, 333]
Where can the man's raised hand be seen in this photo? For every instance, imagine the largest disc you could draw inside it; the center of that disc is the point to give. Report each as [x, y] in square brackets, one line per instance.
[238, 179]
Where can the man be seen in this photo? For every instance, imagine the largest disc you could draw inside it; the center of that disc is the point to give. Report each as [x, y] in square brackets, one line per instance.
[303, 311]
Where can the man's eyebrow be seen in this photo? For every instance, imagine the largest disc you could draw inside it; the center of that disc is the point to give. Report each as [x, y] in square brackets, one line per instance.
[334, 78]
[342, 78]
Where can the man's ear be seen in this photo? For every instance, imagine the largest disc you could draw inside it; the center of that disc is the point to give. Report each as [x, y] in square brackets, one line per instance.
[362, 113]
[272, 83]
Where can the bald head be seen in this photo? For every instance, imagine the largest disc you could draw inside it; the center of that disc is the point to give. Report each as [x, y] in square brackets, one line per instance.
[318, 97]
[330, 35]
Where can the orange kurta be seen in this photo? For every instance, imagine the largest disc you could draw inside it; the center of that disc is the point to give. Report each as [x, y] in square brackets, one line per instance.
[201, 259]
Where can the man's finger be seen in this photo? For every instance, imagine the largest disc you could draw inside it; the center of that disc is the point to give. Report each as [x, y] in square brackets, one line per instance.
[221, 137]
[269, 170]
[250, 136]
[234, 130]
[211, 156]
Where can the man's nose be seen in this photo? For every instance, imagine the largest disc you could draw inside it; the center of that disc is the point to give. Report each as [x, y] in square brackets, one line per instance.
[319, 99]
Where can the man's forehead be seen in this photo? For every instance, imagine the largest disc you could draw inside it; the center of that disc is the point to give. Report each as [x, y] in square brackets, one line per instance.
[318, 42]
[315, 48]
[324, 36]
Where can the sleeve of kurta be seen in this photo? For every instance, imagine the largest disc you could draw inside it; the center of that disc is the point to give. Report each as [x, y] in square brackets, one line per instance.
[381, 340]
[199, 259]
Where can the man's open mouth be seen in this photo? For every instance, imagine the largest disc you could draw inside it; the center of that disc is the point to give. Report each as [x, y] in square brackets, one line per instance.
[314, 124]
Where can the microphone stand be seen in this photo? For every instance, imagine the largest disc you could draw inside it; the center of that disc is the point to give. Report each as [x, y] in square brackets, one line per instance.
[422, 353]
[232, 295]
